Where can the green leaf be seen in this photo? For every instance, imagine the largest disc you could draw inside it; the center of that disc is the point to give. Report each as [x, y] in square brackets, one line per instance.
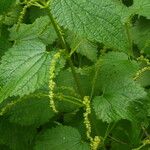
[31, 110]
[12, 15]
[118, 146]
[96, 20]
[82, 46]
[66, 86]
[141, 7]
[4, 45]
[148, 99]
[16, 137]
[65, 79]
[5, 5]
[122, 10]
[40, 29]
[25, 68]
[36, 12]
[113, 107]
[121, 133]
[118, 88]
[141, 35]
[4, 147]
[61, 138]
[113, 70]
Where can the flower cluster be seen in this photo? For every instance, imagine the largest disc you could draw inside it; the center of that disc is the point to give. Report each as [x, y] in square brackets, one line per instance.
[147, 141]
[141, 71]
[87, 123]
[8, 106]
[94, 142]
[142, 58]
[51, 80]
[23, 12]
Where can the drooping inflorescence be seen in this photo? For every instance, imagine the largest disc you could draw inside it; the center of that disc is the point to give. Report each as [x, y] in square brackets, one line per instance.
[94, 142]
[142, 58]
[146, 68]
[87, 123]
[23, 12]
[52, 76]
[141, 71]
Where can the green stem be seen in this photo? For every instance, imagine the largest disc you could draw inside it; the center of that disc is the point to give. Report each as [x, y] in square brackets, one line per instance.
[118, 141]
[94, 82]
[128, 32]
[64, 46]
[76, 103]
[143, 145]
[68, 100]
[109, 129]
[74, 98]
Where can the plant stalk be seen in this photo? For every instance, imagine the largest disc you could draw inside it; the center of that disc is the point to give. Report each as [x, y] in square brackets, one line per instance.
[64, 98]
[128, 32]
[64, 46]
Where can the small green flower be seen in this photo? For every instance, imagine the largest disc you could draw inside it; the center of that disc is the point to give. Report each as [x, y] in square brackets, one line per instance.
[141, 71]
[95, 143]
[52, 76]
[87, 123]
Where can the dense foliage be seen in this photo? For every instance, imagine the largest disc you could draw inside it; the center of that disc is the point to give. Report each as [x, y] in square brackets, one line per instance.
[74, 74]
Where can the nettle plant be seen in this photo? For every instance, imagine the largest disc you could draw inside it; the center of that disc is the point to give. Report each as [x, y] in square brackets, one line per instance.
[74, 74]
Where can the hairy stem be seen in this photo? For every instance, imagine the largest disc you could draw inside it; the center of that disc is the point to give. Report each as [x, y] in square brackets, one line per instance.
[109, 129]
[64, 46]
[74, 98]
[64, 98]
[94, 82]
[128, 32]
[117, 140]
